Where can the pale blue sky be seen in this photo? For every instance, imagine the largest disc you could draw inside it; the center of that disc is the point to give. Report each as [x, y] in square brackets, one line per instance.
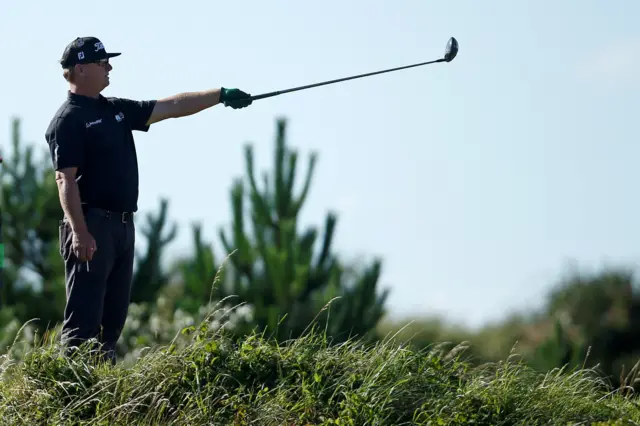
[483, 177]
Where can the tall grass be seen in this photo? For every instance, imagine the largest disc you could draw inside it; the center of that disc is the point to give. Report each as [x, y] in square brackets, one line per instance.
[210, 378]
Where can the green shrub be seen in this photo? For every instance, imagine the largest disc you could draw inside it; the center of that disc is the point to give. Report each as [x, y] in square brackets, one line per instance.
[212, 378]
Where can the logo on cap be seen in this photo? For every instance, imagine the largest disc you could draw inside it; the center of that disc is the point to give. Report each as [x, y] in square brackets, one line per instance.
[92, 51]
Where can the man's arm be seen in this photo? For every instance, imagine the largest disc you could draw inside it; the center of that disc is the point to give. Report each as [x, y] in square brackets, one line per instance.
[189, 103]
[66, 137]
[69, 195]
[84, 245]
[184, 104]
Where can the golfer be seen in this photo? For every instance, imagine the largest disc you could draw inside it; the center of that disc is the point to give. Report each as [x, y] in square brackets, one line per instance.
[94, 156]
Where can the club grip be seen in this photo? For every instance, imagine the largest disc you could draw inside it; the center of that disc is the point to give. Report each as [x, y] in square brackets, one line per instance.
[264, 95]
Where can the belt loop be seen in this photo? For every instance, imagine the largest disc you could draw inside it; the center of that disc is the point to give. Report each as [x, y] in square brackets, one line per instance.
[126, 217]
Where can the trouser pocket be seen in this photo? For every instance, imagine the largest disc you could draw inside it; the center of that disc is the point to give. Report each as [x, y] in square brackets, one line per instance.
[62, 237]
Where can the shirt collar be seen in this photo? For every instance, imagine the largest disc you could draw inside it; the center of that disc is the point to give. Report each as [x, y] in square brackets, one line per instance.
[85, 100]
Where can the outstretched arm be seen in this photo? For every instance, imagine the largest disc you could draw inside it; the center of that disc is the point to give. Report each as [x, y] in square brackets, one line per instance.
[189, 103]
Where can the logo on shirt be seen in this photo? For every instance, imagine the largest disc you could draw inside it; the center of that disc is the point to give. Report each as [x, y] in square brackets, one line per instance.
[119, 116]
[92, 123]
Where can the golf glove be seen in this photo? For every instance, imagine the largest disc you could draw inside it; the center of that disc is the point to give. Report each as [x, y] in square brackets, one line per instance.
[234, 98]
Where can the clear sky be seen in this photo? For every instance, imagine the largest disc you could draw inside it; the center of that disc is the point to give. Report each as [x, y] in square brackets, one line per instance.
[476, 181]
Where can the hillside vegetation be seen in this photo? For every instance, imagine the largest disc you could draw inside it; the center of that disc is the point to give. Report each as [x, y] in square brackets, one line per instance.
[259, 365]
[206, 377]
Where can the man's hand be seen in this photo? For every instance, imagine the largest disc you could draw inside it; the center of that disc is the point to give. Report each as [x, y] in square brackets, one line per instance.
[83, 245]
[235, 98]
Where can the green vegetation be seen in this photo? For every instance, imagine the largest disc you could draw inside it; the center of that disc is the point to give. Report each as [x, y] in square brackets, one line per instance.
[205, 343]
[206, 377]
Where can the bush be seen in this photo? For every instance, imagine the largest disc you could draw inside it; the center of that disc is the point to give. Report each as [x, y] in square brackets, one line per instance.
[212, 378]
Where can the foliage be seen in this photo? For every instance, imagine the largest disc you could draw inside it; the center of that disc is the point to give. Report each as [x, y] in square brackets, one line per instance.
[212, 379]
[33, 278]
[589, 320]
[150, 276]
[273, 267]
[278, 283]
[275, 270]
[596, 323]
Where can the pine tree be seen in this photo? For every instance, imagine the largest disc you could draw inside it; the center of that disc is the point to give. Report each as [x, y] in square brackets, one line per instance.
[2, 280]
[150, 275]
[198, 273]
[33, 274]
[274, 267]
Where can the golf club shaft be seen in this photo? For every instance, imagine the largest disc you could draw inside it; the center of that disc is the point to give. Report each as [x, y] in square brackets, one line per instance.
[280, 92]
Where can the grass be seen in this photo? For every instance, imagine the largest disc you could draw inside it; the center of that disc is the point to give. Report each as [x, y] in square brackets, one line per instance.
[212, 379]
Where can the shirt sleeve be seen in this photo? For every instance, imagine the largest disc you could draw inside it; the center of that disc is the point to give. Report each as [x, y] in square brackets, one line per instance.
[137, 113]
[66, 139]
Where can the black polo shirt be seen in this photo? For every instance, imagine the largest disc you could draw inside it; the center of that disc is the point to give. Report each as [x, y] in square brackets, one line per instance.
[95, 135]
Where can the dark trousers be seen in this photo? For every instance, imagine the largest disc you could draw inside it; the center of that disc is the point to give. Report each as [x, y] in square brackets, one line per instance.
[98, 294]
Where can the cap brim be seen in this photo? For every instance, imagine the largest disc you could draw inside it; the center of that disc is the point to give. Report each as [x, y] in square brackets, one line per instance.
[113, 55]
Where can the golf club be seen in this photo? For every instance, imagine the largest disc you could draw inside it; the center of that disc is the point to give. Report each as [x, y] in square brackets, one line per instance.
[450, 52]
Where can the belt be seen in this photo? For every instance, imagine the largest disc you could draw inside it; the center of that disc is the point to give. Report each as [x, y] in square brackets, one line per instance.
[123, 216]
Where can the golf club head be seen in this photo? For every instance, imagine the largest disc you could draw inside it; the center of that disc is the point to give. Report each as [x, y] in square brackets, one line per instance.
[451, 50]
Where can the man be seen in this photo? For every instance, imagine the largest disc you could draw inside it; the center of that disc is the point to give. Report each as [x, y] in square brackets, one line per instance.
[93, 152]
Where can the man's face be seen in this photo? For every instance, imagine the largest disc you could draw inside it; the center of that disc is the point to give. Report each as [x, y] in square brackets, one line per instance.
[96, 75]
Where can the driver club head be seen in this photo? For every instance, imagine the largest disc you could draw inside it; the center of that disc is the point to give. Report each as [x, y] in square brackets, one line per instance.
[451, 50]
